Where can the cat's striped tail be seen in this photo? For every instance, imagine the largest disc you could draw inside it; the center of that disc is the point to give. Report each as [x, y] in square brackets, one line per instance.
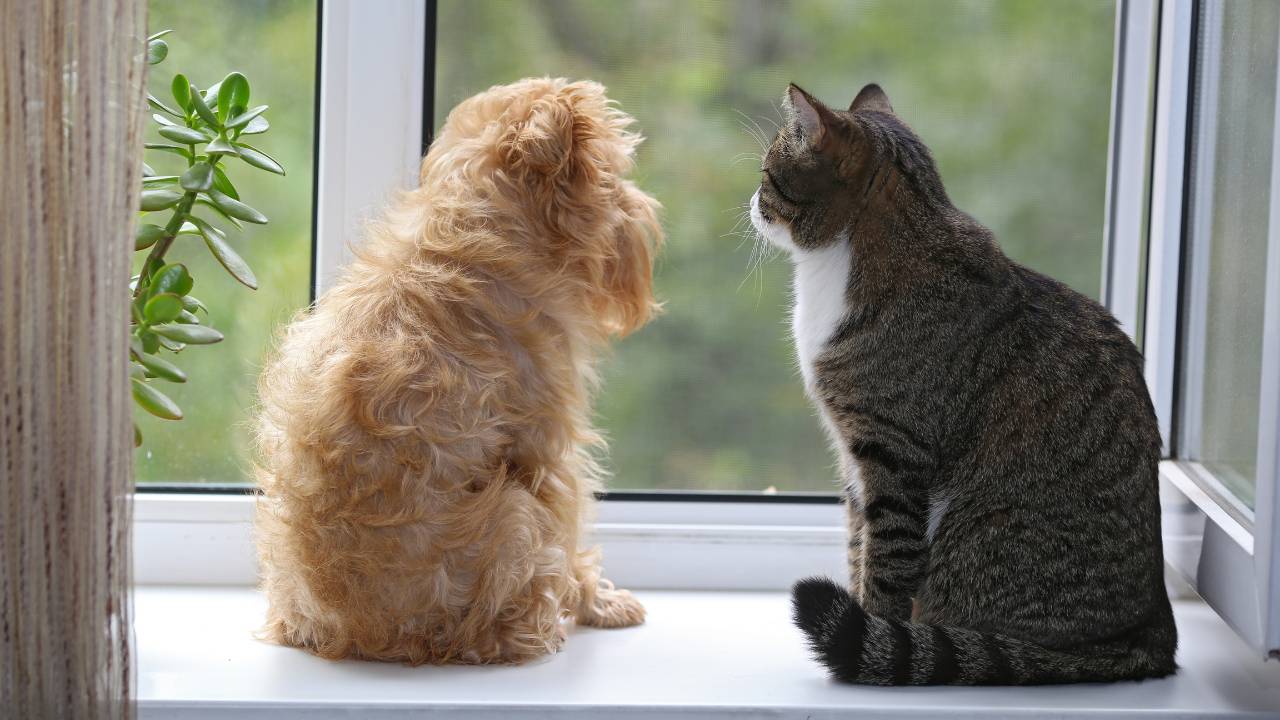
[860, 648]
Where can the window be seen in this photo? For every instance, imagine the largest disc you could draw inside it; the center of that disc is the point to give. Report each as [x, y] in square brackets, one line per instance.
[1213, 303]
[1229, 219]
[1014, 97]
[1126, 147]
[275, 48]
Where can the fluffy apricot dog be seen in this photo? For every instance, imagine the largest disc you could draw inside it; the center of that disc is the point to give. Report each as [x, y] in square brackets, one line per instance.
[426, 451]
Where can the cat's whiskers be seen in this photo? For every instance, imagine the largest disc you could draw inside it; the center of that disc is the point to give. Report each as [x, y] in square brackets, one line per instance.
[759, 130]
[753, 129]
[782, 117]
[768, 252]
[743, 229]
[761, 252]
[737, 229]
[750, 131]
[777, 127]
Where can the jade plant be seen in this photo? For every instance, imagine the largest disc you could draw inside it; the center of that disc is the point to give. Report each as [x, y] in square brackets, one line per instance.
[206, 129]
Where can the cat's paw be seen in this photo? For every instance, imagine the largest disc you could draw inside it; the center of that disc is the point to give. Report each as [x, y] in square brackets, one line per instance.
[816, 602]
[610, 607]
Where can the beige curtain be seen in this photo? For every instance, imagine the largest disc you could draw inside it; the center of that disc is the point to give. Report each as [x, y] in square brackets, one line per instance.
[71, 101]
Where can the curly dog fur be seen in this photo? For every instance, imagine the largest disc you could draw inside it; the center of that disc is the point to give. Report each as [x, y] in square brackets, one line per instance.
[425, 444]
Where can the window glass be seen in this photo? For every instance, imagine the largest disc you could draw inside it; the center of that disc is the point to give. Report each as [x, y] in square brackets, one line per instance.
[1012, 95]
[274, 45]
[1234, 120]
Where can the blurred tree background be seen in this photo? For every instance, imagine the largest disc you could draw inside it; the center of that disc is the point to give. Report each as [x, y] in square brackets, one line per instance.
[1013, 96]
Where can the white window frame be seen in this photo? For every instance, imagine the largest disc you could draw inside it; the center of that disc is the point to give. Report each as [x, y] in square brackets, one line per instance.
[206, 539]
[370, 120]
[369, 144]
[1224, 550]
[1128, 159]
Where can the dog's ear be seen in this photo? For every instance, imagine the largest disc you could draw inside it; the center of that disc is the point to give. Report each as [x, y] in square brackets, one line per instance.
[543, 141]
[628, 277]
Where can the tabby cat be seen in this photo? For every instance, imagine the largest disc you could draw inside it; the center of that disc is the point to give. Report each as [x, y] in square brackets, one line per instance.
[997, 443]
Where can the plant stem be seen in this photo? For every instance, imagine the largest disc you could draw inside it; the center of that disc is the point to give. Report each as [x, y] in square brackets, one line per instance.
[156, 256]
[180, 214]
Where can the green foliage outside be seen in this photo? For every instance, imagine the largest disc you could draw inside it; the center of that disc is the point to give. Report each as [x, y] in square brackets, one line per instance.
[208, 129]
[1012, 95]
[273, 43]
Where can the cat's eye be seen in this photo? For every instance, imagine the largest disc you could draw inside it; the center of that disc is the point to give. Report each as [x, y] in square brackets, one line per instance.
[777, 188]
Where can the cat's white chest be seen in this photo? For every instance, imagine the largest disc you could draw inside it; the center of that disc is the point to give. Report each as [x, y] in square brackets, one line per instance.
[821, 277]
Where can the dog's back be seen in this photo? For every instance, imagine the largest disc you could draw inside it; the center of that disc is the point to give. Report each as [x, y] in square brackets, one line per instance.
[424, 430]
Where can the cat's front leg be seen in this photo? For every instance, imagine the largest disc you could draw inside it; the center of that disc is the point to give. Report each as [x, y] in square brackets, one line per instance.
[855, 521]
[895, 552]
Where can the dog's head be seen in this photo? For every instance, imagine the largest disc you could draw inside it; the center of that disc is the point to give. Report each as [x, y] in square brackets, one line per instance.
[555, 155]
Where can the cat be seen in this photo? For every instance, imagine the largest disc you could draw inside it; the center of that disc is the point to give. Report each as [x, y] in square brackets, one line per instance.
[995, 436]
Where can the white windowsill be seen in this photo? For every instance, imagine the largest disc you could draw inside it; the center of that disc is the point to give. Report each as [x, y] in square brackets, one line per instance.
[701, 654]
[192, 539]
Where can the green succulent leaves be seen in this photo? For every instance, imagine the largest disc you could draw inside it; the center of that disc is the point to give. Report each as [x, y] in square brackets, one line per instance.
[223, 183]
[201, 129]
[171, 149]
[202, 108]
[181, 89]
[259, 159]
[188, 334]
[154, 401]
[146, 236]
[245, 117]
[236, 209]
[222, 146]
[198, 177]
[232, 93]
[216, 241]
[187, 136]
[170, 279]
[162, 369]
[157, 49]
[162, 308]
[153, 200]
[159, 106]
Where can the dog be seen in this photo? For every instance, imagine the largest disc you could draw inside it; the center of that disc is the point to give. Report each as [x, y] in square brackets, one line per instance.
[424, 440]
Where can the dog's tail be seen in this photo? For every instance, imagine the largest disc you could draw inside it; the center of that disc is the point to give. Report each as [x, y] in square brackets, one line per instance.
[860, 648]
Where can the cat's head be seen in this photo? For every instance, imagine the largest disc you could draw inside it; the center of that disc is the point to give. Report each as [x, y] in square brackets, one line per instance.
[828, 168]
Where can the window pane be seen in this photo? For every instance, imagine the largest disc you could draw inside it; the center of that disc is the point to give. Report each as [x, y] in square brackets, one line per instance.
[273, 44]
[1230, 214]
[1012, 95]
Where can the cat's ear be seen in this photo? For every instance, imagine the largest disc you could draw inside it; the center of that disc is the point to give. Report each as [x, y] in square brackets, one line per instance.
[814, 119]
[871, 98]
